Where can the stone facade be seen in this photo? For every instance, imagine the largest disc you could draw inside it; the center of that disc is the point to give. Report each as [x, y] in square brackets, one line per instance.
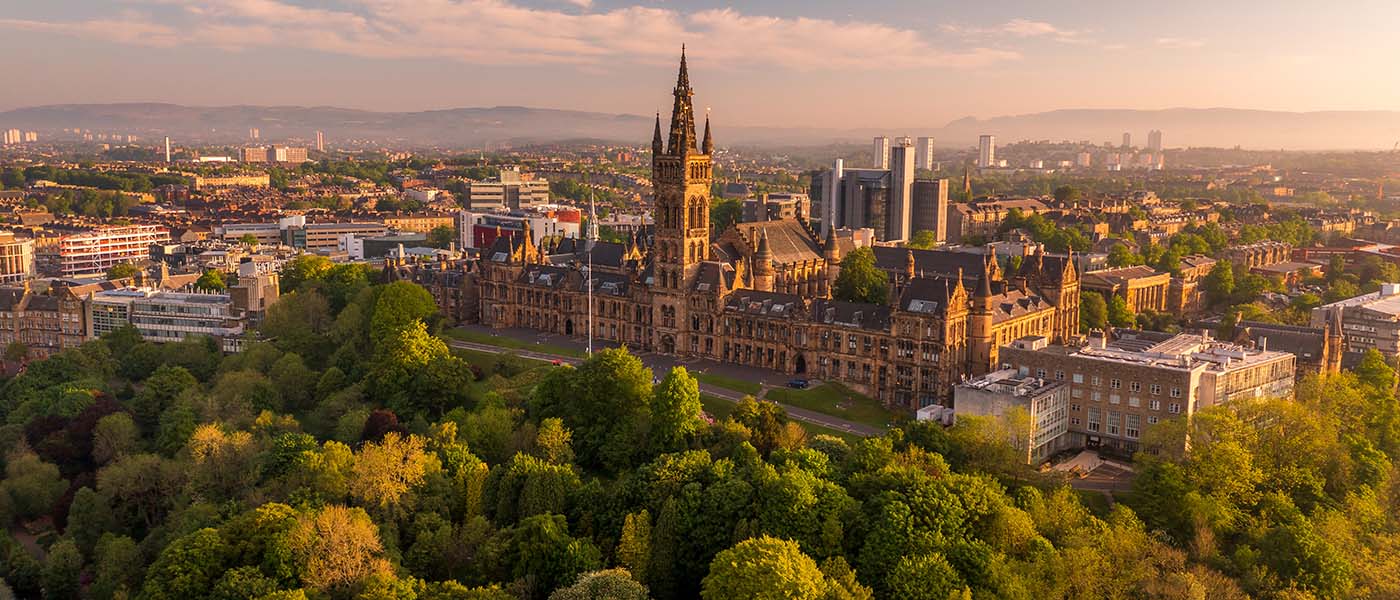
[759, 294]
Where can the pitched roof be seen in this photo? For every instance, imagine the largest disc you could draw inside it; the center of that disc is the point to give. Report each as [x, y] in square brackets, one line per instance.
[873, 317]
[788, 240]
[771, 304]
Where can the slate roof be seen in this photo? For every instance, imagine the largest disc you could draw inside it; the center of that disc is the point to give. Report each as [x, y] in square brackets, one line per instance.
[788, 240]
[1015, 303]
[770, 304]
[1303, 342]
[872, 317]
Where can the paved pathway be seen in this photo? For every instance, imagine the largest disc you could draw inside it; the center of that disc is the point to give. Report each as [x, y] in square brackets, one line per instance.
[660, 363]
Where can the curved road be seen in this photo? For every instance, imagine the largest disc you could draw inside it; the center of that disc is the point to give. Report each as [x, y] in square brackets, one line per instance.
[661, 363]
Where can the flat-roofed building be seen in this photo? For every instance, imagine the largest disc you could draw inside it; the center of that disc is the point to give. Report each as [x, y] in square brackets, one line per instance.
[104, 247]
[1124, 381]
[162, 316]
[16, 258]
[421, 223]
[775, 206]
[510, 190]
[1035, 409]
[1369, 321]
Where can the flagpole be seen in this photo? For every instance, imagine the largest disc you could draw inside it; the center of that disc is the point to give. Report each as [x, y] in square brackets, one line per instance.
[588, 247]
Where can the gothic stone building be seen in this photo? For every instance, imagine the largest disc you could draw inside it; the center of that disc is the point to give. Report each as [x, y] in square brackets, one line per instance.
[759, 294]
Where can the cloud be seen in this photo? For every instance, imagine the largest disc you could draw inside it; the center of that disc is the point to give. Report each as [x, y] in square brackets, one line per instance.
[500, 32]
[1179, 43]
[1021, 28]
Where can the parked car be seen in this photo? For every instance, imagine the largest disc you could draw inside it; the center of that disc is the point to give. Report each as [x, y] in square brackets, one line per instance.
[798, 384]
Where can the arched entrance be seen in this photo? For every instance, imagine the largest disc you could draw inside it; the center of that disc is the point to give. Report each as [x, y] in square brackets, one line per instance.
[668, 344]
[568, 327]
[800, 365]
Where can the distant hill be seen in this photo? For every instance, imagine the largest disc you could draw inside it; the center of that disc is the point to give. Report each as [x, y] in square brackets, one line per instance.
[504, 126]
[1181, 127]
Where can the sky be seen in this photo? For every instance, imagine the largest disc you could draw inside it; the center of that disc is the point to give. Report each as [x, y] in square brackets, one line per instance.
[776, 62]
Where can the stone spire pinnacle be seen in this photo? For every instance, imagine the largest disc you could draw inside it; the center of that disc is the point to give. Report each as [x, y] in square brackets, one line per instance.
[708, 146]
[682, 115]
[656, 142]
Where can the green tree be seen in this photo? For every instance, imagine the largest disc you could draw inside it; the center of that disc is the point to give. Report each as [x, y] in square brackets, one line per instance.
[122, 271]
[62, 569]
[188, 567]
[605, 402]
[31, 484]
[303, 269]
[16, 351]
[924, 577]
[922, 239]
[1219, 284]
[860, 280]
[675, 410]
[634, 547]
[117, 568]
[442, 236]
[1066, 194]
[249, 240]
[114, 435]
[764, 568]
[1093, 311]
[543, 554]
[211, 281]
[612, 584]
[725, 212]
[1119, 314]
[1375, 372]
[400, 304]
[89, 518]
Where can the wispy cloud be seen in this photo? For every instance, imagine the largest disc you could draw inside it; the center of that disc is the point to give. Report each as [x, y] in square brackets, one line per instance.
[500, 32]
[1179, 43]
[1021, 28]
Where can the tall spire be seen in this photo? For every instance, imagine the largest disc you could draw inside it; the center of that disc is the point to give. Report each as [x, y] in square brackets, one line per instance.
[708, 146]
[682, 139]
[656, 147]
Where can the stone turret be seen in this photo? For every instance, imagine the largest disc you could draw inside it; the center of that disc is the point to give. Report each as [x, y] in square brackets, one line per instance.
[763, 266]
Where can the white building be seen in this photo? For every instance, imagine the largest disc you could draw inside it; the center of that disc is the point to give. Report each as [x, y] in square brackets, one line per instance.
[923, 153]
[1035, 409]
[880, 153]
[986, 151]
[105, 247]
[510, 190]
[163, 316]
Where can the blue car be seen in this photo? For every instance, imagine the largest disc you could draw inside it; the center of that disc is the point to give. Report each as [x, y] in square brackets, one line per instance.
[798, 384]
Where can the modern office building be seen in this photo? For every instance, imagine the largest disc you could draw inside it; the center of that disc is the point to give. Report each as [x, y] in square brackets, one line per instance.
[16, 258]
[1367, 322]
[880, 153]
[253, 154]
[104, 247]
[289, 154]
[163, 316]
[986, 151]
[1122, 382]
[510, 190]
[1154, 140]
[1037, 408]
[776, 205]
[923, 153]
[1127, 140]
[901, 190]
[480, 229]
[930, 208]
[320, 142]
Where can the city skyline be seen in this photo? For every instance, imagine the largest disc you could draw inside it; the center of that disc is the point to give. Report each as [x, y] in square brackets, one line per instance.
[774, 65]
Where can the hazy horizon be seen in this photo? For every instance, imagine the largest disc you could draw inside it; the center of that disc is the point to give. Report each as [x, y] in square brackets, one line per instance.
[784, 64]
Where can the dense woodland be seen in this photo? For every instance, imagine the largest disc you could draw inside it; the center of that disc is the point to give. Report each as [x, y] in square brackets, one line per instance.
[355, 455]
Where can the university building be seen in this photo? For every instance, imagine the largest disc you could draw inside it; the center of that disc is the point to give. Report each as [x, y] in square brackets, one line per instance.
[760, 294]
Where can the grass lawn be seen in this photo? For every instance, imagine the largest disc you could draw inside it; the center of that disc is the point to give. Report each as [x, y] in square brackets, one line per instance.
[509, 342]
[729, 383]
[836, 400]
[719, 408]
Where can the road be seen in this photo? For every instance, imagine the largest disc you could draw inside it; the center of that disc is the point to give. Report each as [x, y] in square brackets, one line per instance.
[660, 364]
